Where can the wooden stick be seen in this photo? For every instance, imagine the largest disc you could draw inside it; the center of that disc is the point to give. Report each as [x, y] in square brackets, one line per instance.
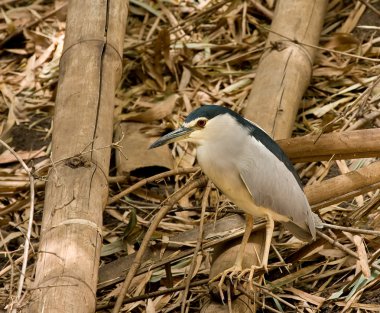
[197, 247]
[144, 244]
[151, 179]
[77, 188]
[30, 223]
[337, 244]
[336, 146]
[344, 187]
[285, 69]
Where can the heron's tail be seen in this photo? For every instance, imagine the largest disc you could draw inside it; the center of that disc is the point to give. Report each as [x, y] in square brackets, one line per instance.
[298, 231]
[304, 233]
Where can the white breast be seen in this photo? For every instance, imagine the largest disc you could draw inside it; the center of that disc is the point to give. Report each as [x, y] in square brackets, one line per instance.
[218, 159]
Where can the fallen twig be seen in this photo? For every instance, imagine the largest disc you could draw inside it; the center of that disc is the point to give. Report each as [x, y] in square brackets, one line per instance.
[154, 294]
[144, 244]
[197, 247]
[30, 224]
[151, 179]
[337, 244]
[352, 229]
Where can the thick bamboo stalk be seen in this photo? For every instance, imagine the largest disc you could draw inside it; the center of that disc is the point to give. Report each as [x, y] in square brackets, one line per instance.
[285, 68]
[333, 146]
[77, 189]
[344, 187]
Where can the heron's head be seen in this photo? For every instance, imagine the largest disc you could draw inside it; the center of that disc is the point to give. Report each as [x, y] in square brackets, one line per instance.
[205, 123]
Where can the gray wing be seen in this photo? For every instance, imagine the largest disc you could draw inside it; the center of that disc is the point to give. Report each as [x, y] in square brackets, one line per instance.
[273, 186]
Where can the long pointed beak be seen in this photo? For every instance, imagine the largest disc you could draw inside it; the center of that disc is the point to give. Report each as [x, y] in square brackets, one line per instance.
[176, 135]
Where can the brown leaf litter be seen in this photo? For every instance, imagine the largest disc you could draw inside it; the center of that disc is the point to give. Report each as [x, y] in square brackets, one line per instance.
[177, 56]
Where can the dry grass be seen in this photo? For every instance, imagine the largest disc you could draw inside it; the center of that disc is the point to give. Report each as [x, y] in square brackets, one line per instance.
[200, 52]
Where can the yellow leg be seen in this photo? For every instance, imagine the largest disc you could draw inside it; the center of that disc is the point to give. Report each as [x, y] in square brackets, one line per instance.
[269, 227]
[236, 269]
[244, 241]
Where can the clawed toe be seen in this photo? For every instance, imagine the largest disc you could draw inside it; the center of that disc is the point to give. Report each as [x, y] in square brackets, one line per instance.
[231, 273]
[250, 272]
[236, 275]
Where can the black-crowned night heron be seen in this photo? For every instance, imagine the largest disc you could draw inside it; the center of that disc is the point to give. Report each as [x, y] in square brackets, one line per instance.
[250, 169]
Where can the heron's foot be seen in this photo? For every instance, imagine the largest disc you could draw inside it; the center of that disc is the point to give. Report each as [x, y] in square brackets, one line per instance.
[235, 275]
[231, 273]
[247, 274]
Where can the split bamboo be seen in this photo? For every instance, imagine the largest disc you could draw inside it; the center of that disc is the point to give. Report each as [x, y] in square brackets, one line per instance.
[77, 188]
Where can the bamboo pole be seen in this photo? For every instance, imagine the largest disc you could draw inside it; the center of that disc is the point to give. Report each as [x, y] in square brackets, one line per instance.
[77, 189]
[344, 187]
[282, 77]
[285, 68]
[333, 146]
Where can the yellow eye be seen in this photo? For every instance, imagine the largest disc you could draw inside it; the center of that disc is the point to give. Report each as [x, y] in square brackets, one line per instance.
[201, 123]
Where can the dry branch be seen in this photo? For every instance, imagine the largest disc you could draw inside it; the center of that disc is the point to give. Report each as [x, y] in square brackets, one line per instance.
[150, 179]
[144, 244]
[336, 146]
[77, 188]
[344, 187]
[197, 247]
[30, 224]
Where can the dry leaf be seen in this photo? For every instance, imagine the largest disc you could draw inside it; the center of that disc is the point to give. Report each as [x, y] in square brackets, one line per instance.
[8, 157]
[149, 308]
[332, 253]
[343, 42]
[316, 300]
[134, 144]
[363, 258]
[158, 111]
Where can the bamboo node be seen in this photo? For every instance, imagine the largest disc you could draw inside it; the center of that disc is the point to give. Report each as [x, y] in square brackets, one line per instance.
[80, 221]
[78, 161]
